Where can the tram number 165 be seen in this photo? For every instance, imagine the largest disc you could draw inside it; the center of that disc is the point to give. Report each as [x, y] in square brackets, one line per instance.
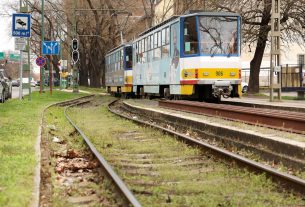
[219, 73]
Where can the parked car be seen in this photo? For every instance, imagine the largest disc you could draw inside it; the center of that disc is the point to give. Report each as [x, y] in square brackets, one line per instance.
[5, 86]
[15, 83]
[244, 87]
[33, 83]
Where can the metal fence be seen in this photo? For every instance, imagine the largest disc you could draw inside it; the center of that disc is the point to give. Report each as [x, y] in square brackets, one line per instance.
[293, 77]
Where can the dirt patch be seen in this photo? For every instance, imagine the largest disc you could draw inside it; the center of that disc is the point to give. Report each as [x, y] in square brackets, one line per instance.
[70, 175]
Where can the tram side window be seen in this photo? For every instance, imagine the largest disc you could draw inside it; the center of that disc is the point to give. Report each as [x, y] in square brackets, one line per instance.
[190, 36]
[148, 48]
[122, 59]
[110, 63]
[113, 62]
[151, 52]
[133, 54]
[140, 51]
[128, 57]
[143, 51]
[137, 52]
[157, 50]
[116, 61]
[165, 42]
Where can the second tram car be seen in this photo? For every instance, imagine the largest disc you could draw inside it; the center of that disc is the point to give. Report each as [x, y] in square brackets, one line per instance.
[119, 70]
[196, 54]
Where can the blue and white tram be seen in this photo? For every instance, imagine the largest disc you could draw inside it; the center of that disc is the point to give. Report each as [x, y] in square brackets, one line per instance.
[119, 69]
[196, 54]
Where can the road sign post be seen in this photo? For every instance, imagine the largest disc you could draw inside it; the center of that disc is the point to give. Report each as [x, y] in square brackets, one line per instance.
[41, 61]
[21, 27]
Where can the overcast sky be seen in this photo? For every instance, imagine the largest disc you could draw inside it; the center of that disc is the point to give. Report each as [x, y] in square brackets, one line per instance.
[6, 41]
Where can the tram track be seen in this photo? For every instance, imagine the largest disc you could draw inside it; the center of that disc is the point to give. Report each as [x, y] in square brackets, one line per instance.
[80, 175]
[129, 198]
[154, 120]
[162, 171]
[143, 161]
[280, 120]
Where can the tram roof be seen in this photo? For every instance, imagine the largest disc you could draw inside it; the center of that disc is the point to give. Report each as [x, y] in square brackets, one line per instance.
[189, 13]
[114, 49]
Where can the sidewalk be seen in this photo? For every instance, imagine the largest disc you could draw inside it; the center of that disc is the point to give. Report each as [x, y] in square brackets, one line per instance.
[264, 100]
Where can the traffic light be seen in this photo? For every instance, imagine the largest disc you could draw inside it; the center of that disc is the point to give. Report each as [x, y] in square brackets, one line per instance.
[75, 53]
[75, 44]
[75, 56]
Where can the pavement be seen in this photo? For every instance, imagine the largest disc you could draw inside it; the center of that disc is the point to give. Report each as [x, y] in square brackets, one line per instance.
[266, 101]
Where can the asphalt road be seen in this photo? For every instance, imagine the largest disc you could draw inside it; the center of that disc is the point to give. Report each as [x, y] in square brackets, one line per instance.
[25, 91]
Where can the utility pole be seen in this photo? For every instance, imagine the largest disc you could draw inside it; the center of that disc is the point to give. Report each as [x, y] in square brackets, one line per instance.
[29, 62]
[275, 54]
[75, 70]
[20, 68]
[42, 39]
[24, 9]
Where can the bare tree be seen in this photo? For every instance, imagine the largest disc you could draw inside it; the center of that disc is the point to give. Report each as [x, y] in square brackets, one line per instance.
[256, 16]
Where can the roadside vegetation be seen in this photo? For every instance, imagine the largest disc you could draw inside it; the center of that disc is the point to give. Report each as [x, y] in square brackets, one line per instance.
[164, 172]
[19, 122]
[70, 175]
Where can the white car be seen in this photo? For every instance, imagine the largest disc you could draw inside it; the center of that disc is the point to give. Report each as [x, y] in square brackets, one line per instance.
[33, 83]
[244, 87]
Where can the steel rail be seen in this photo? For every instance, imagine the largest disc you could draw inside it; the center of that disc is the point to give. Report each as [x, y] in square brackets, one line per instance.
[36, 194]
[283, 120]
[108, 169]
[293, 182]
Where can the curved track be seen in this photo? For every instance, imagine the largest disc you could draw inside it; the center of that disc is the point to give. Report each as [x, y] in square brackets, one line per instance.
[289, 181]
[120, 185]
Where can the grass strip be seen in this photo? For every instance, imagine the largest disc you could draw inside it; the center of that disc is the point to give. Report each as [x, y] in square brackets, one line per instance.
[19, 122]
[167, 184]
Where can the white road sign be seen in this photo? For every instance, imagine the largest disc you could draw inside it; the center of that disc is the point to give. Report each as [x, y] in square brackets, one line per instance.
[20, 43]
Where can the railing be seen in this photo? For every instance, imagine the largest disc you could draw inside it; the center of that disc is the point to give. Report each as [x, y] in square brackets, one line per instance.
[292, 79]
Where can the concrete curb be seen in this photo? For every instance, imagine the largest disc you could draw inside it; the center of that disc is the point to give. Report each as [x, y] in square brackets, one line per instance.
[36, 190]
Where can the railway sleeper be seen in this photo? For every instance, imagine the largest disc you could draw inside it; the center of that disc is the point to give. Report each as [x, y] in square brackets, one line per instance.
[268, 150]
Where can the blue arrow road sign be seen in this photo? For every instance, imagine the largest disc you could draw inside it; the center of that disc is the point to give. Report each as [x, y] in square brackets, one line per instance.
[50, 48]
[21, 25]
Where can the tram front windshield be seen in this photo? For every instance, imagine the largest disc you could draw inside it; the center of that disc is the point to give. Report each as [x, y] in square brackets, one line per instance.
[218, 35]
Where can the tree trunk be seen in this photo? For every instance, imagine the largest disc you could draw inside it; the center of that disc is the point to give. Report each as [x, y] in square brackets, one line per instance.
[255, 63]
[83, 72]
[95, 79]
[83, 76]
